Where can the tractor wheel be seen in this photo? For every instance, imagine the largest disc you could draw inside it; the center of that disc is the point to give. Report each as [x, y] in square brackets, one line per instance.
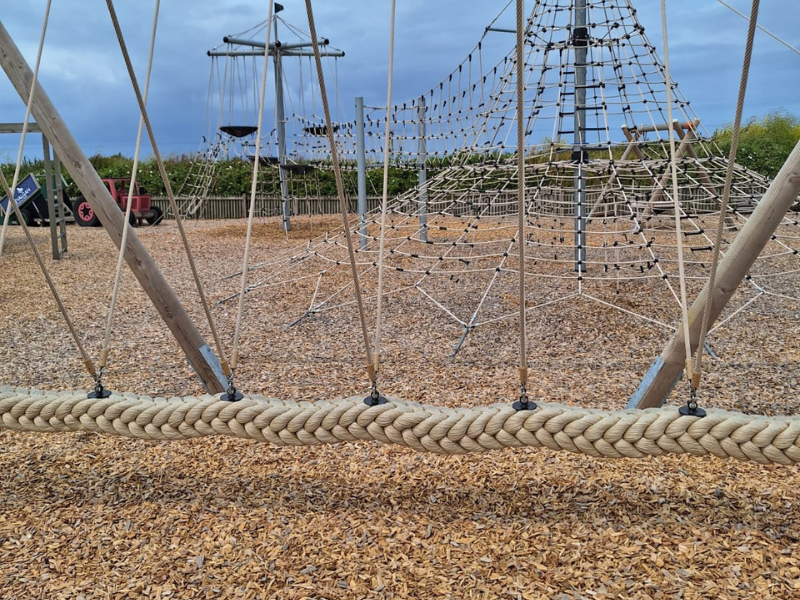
[132, 219]
[158, 217]
[84, 213]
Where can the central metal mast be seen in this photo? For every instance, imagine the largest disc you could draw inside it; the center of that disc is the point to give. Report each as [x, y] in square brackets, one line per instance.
[280, 119]
[277, 50]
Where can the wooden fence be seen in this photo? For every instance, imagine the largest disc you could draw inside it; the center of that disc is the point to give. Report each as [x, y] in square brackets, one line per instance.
[237, 207]
[549, 202]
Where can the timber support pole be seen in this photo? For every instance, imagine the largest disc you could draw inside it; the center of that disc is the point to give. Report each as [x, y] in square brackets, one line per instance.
[199, 354]
[667, 369]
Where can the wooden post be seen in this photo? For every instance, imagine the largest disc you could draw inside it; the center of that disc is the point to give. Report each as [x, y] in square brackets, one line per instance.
[756, 232]
[197, 351]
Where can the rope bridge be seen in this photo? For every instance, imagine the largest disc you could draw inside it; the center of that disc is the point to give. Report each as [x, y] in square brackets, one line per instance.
[608, 434]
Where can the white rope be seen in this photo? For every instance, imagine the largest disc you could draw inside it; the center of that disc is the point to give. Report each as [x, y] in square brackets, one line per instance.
[523, 350]
[126, 226]
[385, 199]
[675, 197]
[253, 189]
[167, 185]
[767, 31]
[339, 187]
[28, 108]
[726, 194]
[50, 283]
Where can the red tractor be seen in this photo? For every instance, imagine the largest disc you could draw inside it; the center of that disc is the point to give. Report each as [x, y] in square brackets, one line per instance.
[119, 190]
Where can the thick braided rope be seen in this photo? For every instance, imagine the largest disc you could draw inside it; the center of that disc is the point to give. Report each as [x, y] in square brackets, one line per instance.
[611, 434]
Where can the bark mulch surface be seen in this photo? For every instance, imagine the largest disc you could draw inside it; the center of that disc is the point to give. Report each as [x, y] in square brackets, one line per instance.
[85, 516]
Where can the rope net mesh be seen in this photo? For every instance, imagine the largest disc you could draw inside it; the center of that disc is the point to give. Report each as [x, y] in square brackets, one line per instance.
[599, 201]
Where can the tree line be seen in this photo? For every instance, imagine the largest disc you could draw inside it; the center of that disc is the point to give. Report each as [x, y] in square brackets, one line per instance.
[764, 144]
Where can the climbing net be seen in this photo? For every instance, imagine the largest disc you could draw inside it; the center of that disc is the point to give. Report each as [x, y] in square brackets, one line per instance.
[598, 201]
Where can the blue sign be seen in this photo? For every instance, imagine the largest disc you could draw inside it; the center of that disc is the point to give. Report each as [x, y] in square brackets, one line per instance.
[25, 191]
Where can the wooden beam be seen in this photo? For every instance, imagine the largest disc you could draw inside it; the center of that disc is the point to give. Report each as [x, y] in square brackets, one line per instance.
[756, 232]
[197, 351]
[17, 128]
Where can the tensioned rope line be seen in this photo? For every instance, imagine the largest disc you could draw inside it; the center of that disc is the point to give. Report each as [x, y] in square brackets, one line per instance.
[609, 434]
[251, 213]
[28, 109]
[523, 351]
[337, 173]
[126, 225]
[87, 361]
[765, 30]
[384, 202]
[726, 194]
[167, 186]
[675, 199]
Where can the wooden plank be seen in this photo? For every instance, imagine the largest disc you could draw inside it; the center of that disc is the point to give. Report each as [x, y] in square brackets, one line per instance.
[17, 128]
[138, 258]
[756, 232]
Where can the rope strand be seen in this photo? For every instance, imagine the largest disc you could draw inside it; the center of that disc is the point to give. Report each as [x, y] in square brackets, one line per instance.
[523, 343]
[168, 186]
[53, 290]
[253, 189]
[726, 194]
[609, 434]
[675, 198]
[28, 109]
[126, 226]
[385, 199]
[337, 173]
[765, 30]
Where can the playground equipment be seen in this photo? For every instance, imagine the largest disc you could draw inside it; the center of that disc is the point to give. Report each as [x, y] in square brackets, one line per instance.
[120, 189]
[30, 200]
[42, 204]
[471, 185]
[232, 110]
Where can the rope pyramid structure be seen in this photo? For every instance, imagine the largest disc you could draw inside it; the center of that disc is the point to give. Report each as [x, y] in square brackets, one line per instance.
[598, 204]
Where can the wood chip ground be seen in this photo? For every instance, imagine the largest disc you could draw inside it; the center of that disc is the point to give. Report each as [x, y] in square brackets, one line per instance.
[85, 516]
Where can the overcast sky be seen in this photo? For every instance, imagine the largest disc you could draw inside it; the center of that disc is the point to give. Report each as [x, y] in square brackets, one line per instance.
[83, 73]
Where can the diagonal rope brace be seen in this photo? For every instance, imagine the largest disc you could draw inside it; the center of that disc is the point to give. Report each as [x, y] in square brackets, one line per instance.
[384, 201]
[126, 225]
[87, 361]
[523, 403]
[251, 212]
[168, 186]
[23, 136]
[337, 173]
[726, 194]
[676, 200]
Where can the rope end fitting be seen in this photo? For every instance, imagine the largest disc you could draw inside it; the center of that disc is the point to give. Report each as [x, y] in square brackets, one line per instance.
[691, 409]
[232, 394]
[374, 398]
[524, 403]
[226, 369]
[99, 391]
